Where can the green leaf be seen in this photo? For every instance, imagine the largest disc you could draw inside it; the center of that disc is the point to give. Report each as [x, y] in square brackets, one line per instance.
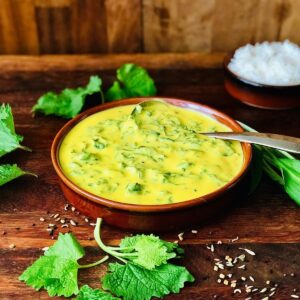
[69, 102]
[133, 81]
[290, 169]
[10, 172]
[9, 140]
[150, 250]
[255, 170]
[136, 283]
[57, 270]
[87, 293]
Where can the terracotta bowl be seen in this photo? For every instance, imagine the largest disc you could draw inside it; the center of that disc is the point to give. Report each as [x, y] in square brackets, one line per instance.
[151, 217]
[260, 95]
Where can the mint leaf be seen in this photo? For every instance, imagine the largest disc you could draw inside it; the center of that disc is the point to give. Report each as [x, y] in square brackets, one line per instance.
[136, 283]
[57, 270]
[9, 140]
[150, 250]
[133, 81]
[10, 172]
[87, 293]
[69, 102]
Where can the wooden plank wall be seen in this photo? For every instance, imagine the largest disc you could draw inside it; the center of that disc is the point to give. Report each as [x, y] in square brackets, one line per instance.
[126, 26]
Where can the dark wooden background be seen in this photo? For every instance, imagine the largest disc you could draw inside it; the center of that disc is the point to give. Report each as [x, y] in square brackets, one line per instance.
[268, 222]
[126, 26]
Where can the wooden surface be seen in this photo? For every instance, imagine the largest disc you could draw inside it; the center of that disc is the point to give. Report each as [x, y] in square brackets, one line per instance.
[267, 222]
[118, 26]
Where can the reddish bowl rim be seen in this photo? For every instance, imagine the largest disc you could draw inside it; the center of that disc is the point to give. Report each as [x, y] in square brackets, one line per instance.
[219, 116]
[226, 62]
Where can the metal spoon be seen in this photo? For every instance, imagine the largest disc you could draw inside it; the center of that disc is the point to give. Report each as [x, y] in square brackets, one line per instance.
[278, 141]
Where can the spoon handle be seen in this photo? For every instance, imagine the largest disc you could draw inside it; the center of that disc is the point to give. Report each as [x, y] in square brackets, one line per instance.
[278, 141]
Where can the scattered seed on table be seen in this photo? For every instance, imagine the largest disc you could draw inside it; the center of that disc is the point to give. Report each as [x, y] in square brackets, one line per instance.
[229, 275]
[242, 257]
[73, 208]
[248, 251]
[263, 290]
[62, 221]
[268, 282]
[265, 298]
[272, 289]
[222, 275]
[194, 231]
[219, 280]
[233, 284]
[51, 225]
[226, 282]
[216, 268]
[42, 219]
[73, 223]
[243, 278]
[92, 224]
[235, 239]
[295, 296]
[56, 216]
[66, 207]
[251, 278]
[254, 290]
[64, 225]
[270, 295]
[237, 291]
[12, 246]
[180, 236]
[242, 267]
[249, 298]
[45, 248]
[219, 242]
[86, 220]
[292, 274]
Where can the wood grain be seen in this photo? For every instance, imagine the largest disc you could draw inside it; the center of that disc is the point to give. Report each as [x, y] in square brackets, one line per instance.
[268, 222]
[116, 26]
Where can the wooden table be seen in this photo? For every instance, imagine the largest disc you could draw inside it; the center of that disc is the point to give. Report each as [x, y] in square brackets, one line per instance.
[267, 223]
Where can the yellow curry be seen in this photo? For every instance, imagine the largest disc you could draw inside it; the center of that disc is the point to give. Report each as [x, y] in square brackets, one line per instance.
[150, 153]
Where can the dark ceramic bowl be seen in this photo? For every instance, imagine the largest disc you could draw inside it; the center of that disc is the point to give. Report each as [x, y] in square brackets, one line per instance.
[151, 217]
[260, 95]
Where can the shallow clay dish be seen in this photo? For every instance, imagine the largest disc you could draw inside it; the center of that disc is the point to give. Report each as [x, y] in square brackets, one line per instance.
[151, 217]
[260, 95]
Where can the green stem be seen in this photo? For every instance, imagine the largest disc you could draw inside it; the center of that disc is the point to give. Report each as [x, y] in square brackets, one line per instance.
[273, 175]
[25, 148]
[105, 258]
[102, 246]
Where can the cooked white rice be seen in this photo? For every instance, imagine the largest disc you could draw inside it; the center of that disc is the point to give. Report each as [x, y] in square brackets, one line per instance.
[275, 63]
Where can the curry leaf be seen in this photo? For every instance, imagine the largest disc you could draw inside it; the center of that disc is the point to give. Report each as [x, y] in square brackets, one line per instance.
[69, 102]
[132, 81]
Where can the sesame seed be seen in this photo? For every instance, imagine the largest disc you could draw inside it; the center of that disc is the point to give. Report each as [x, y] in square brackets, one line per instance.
[219, 242]
[194, 231]
[12, 246]
[270, 295]
[212, 248]
[292, 274]
[63, 221]
[268, 282]
[226, 282]
[51, 225]
[295, 296]
[248, 251]
[175, 242]
[263, 290]
[180, 236]
[272, 289]
[254, 290]
[216, 268]
[242, 267]
[216, 259]
[265, 298]
[243, 278]
[49, 229]
[233, 284]
[219, 281]
[42, 219]
[73, 223]
[229, 275]
[92, 224]
[222, 275]
[249, 298]
[242, 257]
[251, 278]
[235, 239]
[73, 208]
[237, 291]
[86, 220]
[56, 216]
[57, 219]
[64, 225]
[66, 207]
[45, 248]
